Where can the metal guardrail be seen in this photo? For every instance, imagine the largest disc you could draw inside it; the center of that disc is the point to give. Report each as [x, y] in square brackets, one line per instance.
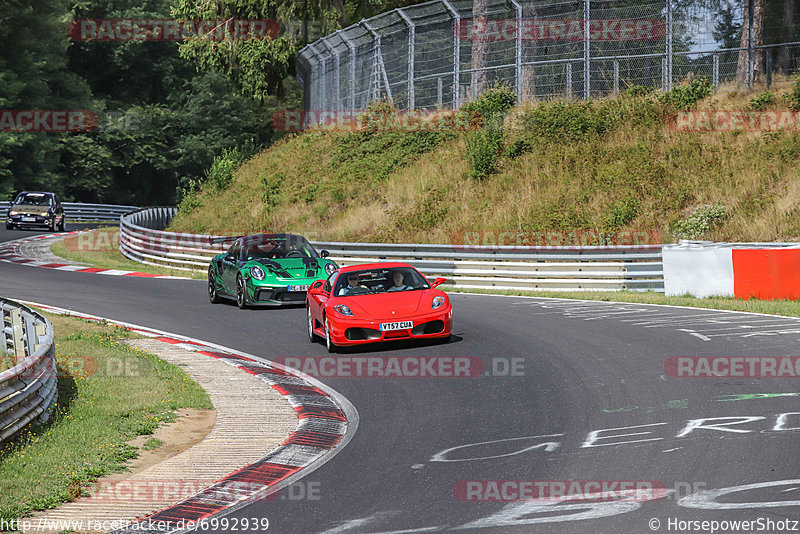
[76, 211]
[597, 268]
[28, 387]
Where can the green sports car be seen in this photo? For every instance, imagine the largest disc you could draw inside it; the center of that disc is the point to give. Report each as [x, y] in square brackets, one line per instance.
[267, 270]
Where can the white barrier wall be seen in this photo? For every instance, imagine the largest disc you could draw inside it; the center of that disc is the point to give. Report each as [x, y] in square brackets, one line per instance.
[701, 270]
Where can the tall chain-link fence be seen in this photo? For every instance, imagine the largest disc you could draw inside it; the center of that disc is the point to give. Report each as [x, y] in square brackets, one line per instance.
[443, 53]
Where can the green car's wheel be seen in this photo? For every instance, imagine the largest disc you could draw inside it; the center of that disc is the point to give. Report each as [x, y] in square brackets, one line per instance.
[328, 343]
[213, 296]
[311, 335]
[241, 292]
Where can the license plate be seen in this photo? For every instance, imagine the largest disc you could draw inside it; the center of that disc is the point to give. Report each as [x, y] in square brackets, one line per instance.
[29, 219]
[297, 288]
[400, 325]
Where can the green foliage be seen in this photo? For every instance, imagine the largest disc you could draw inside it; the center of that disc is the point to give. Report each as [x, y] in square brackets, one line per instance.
[565, 122]
[636, 91]
[793, 96]
[700, 222]
[518, 147]
[485, 145]
[762, 101]
[621, 213]
[483, 149]
[497, 100]
[370, 156]
[687, 94]
[272, 188]
[221, 173]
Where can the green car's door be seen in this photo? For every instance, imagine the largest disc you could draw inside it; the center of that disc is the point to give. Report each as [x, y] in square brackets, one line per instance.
[230, 266]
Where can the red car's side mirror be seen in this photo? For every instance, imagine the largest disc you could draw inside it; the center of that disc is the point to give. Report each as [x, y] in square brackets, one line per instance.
[317, 287]
[439, 281]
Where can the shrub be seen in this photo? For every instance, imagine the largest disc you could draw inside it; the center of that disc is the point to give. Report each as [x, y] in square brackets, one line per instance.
[793, 96]
[496, 101]
[221, 173]
[701, 220]
[485, 145]
[565, 121]
[686, 95]
[762, 101]
[621, 213]
[635, 91]
[483, 148]
[519, 147]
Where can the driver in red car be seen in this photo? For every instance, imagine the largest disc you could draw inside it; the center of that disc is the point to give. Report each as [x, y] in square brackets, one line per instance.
[352, 283]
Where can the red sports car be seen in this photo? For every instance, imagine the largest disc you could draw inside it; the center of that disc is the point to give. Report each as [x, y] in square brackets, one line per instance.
[377, 302]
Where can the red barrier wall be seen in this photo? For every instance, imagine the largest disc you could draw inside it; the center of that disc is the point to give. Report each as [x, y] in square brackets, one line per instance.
[766, 273]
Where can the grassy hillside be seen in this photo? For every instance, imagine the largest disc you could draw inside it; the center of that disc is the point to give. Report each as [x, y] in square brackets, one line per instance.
[608, 165]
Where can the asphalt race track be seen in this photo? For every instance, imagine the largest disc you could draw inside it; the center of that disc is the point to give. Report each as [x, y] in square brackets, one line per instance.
[585, 367]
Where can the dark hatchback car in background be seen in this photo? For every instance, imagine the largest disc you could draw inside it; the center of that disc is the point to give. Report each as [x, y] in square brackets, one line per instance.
[35, 208]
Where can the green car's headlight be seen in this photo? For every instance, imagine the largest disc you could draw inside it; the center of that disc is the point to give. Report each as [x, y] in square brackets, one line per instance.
[330, 268]
[257, 273]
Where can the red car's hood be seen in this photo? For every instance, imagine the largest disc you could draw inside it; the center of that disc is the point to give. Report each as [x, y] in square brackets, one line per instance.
[381, 306]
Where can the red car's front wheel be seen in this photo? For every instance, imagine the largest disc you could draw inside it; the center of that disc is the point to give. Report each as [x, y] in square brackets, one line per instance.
[328, 343]
[311, 335]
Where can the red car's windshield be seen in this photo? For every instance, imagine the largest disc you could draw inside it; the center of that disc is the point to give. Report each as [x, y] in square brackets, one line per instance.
[388, 280]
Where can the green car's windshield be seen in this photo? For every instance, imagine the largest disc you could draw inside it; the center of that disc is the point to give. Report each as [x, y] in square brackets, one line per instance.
[275, 249]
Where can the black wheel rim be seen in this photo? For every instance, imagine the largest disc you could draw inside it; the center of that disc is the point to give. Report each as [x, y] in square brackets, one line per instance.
[211, 284]
[239, 291]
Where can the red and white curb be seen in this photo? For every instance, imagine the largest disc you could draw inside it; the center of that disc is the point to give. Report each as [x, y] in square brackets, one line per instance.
[328, 422]
[10, 253]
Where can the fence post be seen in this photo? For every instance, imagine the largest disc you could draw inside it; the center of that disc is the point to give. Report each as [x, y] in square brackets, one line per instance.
[768, 66]
[377, 63]
[715, 71]
[439, 91]
[17, 335]
[587, 72]
[456, 50]
[332, 51]
[616, 77]
[411, 35]
[669, 45]
[352, 69]
[518, 51]
[750, 51]
[569, 79]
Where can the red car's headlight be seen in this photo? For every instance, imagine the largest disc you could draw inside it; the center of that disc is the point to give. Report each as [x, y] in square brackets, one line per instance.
[344, 310]
[438, 301]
